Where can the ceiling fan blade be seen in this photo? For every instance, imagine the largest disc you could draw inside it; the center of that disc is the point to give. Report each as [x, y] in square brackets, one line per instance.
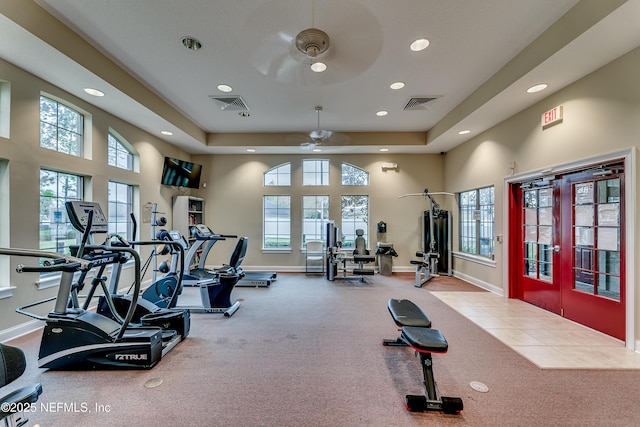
[271, 30]
[310, 145]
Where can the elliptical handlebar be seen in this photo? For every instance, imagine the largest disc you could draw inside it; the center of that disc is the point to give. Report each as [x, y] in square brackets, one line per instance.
[54, 262]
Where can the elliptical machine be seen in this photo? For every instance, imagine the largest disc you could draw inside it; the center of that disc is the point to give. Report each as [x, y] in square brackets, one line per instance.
[75, 338]
[175, 324]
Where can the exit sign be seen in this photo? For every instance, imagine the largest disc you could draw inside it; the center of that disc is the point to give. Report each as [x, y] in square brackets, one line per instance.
[552, 117]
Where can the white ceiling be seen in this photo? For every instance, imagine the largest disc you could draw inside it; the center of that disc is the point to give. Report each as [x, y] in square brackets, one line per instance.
[247, 45]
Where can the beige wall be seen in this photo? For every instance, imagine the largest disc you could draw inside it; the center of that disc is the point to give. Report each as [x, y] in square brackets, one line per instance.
[601, 115]
[233, 193]
[22, 158]
[234, 201]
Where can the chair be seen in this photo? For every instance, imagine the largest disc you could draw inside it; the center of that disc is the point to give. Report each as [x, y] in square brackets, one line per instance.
[314, 255]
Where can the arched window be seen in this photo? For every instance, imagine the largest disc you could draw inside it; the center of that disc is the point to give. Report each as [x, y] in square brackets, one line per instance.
[119, 154]
[353, 175]
[278, 175]
[61, 127]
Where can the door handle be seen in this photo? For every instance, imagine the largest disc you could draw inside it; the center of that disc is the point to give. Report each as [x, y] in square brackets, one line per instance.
[556, 249]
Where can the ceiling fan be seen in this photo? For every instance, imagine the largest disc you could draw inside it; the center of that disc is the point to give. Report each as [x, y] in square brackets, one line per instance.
[284, 47]
[319, 136]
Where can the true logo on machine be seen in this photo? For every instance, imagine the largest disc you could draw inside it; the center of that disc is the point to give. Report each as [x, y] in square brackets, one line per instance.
[131, 357]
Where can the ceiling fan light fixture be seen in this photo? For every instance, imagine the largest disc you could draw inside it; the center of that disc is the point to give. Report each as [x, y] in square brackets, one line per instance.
[318, 67]
[312, 42]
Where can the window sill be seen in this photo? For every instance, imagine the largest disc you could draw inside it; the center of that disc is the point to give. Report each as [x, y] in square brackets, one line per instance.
[475, 258]
[276, 250]
[6, 292]
[47, 281]
[52, 280]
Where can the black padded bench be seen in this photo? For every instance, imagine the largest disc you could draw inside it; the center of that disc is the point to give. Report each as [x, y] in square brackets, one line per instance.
[405, 313]
[416, 333]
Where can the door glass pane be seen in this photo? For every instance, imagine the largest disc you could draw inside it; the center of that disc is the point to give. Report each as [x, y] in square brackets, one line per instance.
[546, 197]
[584, 236]
[597, 237]
[609, 214]
[583, 193]
[546, 262]
[583, 215]
[538, 233]
[530, 260]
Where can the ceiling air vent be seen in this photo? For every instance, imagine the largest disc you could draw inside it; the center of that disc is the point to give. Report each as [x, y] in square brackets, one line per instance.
[230, 103]
[419, 103]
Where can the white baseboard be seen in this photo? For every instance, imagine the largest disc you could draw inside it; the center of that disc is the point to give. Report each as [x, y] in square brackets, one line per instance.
[20, 330]
[479, 283]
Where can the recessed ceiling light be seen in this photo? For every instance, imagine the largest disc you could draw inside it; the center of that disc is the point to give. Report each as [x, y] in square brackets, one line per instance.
[166, 132]
[317, 150]
[418, 45]
[382, 113]
[94, 92]
[537, 88]
[224, 88]
[397, 85]
[384, 150]
[464, 132]
[251, 150]
[191, 43]
[318, 67]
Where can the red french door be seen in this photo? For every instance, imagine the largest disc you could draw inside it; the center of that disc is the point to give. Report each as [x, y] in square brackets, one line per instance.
[568, 252]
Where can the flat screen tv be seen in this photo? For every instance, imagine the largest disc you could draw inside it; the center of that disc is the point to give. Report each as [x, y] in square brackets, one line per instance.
[180, 173]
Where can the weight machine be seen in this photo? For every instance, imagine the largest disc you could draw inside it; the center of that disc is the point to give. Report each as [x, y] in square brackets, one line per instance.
[436, 240]
[335, 256]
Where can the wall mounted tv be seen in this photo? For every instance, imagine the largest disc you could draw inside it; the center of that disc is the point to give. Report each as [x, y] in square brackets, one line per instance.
[180, 173]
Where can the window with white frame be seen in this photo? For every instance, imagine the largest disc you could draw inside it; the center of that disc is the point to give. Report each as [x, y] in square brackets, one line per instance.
[276, 222]
[278, 176]
[477, 222]
[56, 188]
[355, 215]
[315, 172]
[120, 208]
[315, 214]
[119, 155]
[61, 127]
[353, 175]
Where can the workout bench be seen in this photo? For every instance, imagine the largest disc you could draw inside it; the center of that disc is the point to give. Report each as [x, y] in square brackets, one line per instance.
[416, 333]
[405, 313]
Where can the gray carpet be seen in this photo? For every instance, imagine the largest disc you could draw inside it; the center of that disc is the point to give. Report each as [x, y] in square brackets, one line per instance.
[307, 352]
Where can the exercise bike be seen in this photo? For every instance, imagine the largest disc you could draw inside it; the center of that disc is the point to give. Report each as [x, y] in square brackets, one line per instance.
[215, 288]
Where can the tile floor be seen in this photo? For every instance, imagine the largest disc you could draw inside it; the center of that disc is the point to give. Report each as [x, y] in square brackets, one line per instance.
[546, 339]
